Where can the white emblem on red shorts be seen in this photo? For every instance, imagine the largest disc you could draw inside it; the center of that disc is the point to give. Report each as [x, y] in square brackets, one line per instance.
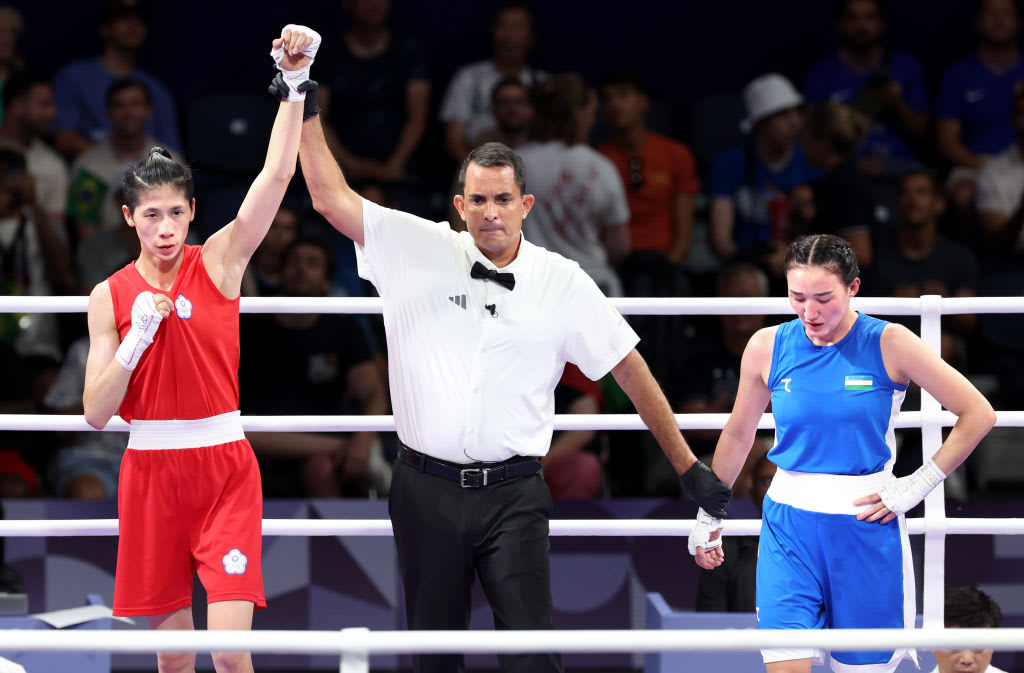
[183, 307]
[234, 562]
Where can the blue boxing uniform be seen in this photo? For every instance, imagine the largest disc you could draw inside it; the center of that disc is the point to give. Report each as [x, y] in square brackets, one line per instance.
[818, 567]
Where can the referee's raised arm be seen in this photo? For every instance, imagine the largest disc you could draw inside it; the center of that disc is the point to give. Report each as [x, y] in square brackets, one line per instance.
[332, 196]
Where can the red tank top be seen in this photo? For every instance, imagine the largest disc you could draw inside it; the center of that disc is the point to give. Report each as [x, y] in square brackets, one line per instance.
[191, 369]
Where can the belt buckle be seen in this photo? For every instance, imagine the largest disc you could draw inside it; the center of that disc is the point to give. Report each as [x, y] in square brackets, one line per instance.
[471, 471]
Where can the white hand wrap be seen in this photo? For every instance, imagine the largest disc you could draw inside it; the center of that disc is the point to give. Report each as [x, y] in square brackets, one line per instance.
[145, 321]
[293, 78]
[701, 532]
[903, 494]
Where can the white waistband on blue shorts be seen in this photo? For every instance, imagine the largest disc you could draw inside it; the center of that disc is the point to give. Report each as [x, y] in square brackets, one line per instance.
[179, 434]
[825, 493]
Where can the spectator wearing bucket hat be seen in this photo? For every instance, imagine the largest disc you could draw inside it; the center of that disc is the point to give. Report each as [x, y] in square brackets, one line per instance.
[752, 184]
[885, 86]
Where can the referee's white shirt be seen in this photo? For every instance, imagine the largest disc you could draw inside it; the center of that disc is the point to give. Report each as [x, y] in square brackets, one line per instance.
[467, 386]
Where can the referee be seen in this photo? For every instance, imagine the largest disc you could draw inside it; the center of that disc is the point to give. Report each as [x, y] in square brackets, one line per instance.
[479, 326]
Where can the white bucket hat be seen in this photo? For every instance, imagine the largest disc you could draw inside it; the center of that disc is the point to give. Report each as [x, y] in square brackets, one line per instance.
[767, 95]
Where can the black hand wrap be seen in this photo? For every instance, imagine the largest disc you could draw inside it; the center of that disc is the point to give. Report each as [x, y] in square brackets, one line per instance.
[706, 489]
[279, 90]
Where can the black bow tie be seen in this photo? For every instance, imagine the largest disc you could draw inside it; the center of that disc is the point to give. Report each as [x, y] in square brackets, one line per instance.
[505, 279]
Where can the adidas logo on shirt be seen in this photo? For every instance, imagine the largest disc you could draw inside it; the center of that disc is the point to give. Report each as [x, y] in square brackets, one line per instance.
[458, 300]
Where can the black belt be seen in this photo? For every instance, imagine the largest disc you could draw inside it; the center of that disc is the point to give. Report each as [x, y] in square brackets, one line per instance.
[481, 474]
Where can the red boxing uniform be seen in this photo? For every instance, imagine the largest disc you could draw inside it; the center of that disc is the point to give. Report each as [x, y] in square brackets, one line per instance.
[189, 495]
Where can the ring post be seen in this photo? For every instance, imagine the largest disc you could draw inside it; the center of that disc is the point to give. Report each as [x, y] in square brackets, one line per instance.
[935, 502]
[354, 660]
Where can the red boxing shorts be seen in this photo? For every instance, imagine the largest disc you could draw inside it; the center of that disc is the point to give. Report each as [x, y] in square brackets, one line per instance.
[189, 500]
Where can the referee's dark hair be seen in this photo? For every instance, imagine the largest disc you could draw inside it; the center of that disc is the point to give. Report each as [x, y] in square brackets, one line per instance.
[970, 608]
[494, 154]
[827, 251]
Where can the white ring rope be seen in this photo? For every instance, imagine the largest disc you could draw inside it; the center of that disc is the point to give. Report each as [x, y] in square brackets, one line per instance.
[364, 641]
[72, 423]
[625, 305]
[558, 527]
[355, 644]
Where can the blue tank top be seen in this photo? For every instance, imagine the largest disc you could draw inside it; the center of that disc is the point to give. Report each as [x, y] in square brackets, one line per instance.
[834, 406]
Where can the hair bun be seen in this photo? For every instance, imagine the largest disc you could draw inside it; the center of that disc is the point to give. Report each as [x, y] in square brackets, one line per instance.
[158, 168]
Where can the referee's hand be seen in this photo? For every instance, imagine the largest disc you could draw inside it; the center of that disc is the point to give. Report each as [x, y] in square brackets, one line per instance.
[706, 489]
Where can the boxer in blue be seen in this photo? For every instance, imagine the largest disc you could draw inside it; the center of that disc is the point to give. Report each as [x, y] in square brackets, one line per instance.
[833, 550]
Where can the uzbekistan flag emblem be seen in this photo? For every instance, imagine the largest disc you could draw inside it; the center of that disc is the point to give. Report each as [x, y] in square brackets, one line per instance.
[858, 382]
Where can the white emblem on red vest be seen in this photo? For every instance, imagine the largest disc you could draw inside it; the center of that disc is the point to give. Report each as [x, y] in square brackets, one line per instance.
[183, 307]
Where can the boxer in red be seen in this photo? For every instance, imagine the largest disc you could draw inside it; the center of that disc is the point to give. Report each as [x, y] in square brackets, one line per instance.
[163, 355]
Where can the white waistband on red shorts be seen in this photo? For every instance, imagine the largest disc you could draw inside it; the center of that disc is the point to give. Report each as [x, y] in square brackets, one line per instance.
[179, 434]
[825, 493]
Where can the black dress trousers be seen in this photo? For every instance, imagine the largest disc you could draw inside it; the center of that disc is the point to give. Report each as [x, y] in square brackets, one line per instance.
[444, 533]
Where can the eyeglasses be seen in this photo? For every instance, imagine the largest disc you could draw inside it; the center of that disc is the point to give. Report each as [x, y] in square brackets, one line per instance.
[636, 172]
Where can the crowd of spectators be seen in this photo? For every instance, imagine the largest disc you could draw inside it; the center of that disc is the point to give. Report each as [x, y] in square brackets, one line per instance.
[926, 182]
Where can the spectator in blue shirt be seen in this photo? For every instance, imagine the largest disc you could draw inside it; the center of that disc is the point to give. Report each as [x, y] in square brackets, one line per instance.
[885, 86]
[751, 184]
[377, 99]
[81, 86]
[975, 99]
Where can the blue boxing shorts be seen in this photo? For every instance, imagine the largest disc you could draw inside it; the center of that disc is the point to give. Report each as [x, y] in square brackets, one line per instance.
[820, 568]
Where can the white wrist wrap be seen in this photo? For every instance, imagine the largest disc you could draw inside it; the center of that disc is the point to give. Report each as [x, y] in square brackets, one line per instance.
[293, 78]
[145, 321]
[701, 531]
[903, 494]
